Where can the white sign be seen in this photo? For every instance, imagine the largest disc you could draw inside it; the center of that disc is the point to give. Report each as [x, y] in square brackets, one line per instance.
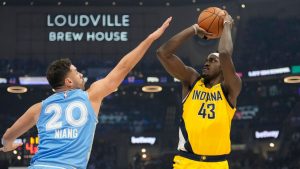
[267, 134]
[30, 80]
[152, 79]
[99, 21]
[143, 140]
[3, 80]
[269, 72]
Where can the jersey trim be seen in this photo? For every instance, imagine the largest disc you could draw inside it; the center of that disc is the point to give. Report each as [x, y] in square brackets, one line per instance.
[191, 88]
[204, 158]
[187, 145]
[226, 96]
[49, 166]
[89, 102]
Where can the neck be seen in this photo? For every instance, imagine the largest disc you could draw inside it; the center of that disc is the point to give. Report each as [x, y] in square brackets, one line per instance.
[62, 89]
[212, 82]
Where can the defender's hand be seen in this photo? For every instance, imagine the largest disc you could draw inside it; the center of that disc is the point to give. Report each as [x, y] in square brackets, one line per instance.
[156, 34]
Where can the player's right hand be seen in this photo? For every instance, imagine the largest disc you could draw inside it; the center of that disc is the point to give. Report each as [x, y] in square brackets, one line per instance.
[201, 32]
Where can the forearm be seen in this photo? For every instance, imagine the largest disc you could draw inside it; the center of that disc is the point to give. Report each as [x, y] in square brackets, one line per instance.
[225, 44]
[133, 57]
[104, 87]
[23, 124]
[16, 131]
[127, 63]
[176, 41]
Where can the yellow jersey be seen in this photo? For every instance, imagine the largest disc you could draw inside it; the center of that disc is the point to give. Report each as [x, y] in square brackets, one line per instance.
[206, 121]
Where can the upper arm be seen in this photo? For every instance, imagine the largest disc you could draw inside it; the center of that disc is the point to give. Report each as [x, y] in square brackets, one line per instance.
[176, 68]
[24, 123]
[232, 81]
[100, 89]
[103, 87]
[31, 116]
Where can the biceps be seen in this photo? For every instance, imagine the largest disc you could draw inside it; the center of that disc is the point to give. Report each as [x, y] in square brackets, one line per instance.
[234, 84]
[176, 68]
[101, 89]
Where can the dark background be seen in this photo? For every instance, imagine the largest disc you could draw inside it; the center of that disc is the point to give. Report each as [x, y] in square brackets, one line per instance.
[266, 36]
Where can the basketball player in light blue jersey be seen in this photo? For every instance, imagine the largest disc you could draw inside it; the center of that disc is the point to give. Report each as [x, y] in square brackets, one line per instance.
[66, 120]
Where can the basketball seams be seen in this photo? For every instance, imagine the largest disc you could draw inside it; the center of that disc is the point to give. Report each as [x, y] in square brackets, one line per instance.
[203, 19]
[210, 23]
[217, 15]
[214, 13]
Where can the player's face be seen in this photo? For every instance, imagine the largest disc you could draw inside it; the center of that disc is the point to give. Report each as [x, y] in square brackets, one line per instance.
[212, 67]
[76, 78]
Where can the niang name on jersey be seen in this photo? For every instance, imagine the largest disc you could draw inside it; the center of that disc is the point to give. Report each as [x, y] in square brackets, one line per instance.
[207, 96]
[66, 133]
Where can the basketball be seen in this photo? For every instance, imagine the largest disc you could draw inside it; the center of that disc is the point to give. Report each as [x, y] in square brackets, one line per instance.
[211, 20]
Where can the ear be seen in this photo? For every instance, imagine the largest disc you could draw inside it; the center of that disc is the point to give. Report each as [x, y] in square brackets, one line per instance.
[68, 82]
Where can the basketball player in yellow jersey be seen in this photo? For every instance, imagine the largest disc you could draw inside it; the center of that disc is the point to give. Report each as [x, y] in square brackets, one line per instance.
[209, 100]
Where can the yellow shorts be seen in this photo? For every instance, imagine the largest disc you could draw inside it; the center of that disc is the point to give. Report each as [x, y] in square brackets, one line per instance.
[185, 163]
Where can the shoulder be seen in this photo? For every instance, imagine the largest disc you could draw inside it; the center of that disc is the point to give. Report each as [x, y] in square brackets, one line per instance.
[37, 106]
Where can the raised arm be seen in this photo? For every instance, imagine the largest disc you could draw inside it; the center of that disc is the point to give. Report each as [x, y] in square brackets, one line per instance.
[172, 63]
[232, 81]
[22, 125]
[110, 83]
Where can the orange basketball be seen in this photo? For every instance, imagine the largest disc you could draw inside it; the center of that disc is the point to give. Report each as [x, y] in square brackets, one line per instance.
[211, 20]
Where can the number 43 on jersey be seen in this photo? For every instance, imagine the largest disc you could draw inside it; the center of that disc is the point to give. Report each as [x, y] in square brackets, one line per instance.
[207, 111]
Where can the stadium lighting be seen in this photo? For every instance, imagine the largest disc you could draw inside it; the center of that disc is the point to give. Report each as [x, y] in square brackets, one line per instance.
[153, 88]
[17, 89]
[292, 79]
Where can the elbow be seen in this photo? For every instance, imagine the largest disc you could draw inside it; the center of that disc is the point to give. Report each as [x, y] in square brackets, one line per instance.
[226, 52]
[162, 52]
[159, 52]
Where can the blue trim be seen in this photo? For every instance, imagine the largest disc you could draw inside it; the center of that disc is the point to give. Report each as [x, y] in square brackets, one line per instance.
[226, 96]
[187, 145]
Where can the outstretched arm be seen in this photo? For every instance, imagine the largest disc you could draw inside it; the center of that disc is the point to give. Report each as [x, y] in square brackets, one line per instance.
[232, 81]
[22, 125]
[172, 63]
[104, 87]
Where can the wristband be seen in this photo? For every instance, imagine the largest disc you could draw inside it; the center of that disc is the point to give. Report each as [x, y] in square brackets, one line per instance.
[3, 142]
[195, 29]
[226, 22]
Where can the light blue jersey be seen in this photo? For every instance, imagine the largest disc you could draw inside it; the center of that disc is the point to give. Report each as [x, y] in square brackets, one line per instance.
[66, 128]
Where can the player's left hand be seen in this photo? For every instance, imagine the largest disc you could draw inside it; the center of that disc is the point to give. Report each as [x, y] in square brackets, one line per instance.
[228, 19]
[156, 34]
[9, 146]
[202, 33]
